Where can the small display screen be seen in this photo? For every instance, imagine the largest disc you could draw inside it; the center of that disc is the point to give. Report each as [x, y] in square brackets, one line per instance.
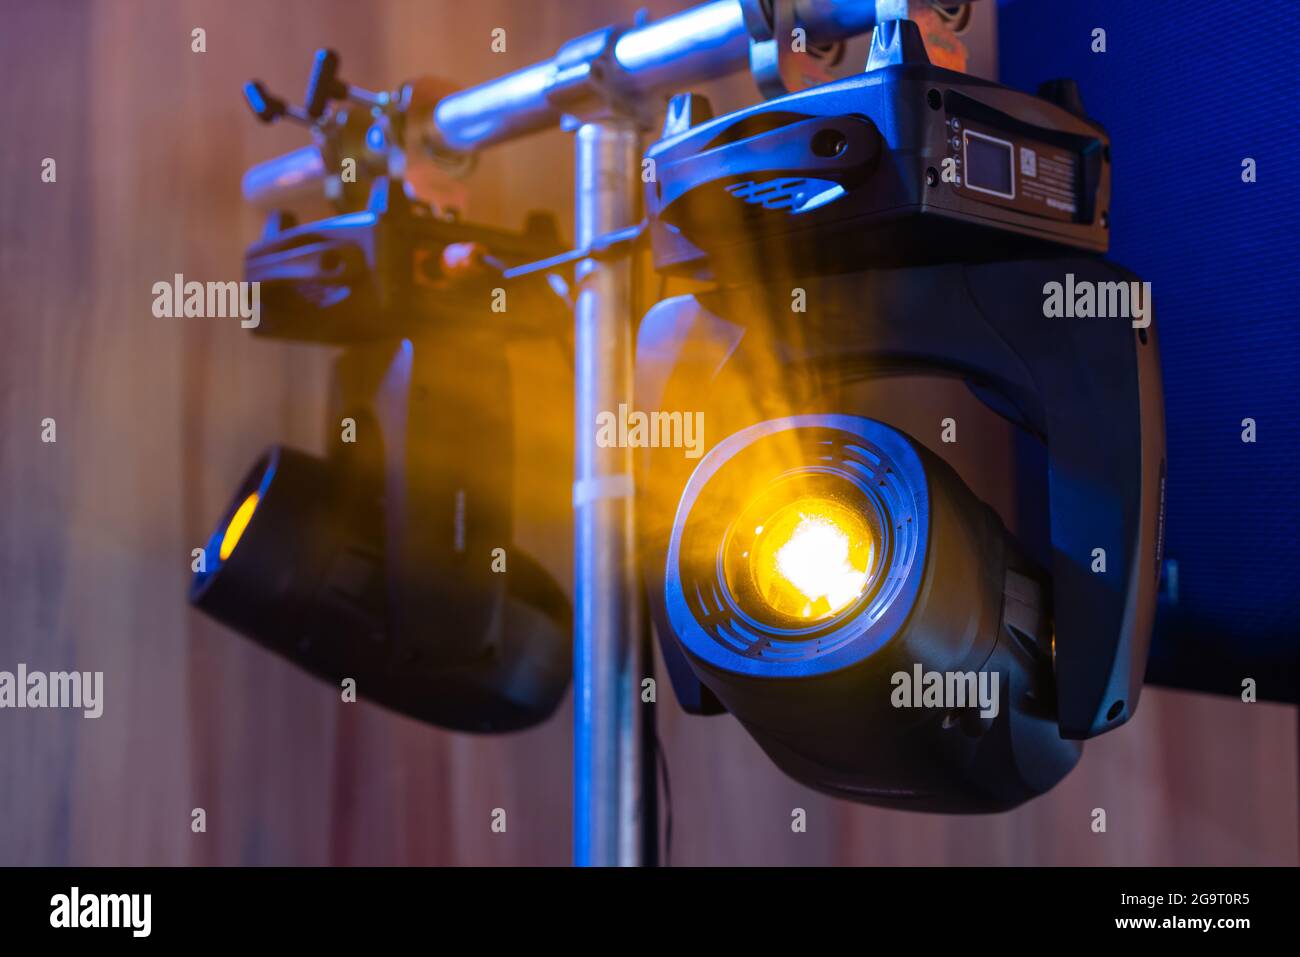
[988, 164]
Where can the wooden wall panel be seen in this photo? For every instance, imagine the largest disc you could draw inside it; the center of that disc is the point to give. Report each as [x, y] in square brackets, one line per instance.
[158, 419]
[43, 295]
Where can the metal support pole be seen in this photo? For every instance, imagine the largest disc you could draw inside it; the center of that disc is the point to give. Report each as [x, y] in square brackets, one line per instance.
[607, 740]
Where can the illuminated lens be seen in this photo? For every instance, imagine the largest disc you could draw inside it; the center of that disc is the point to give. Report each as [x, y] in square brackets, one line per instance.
[812, 558]
[238, 522]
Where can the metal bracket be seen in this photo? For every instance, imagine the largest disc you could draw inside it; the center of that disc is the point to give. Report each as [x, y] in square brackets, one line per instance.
[584, 84]
[781, 57]
[896, 43]
[346, 122]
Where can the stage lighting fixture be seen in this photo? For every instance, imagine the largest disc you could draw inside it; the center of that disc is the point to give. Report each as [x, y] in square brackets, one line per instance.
[877, 560]
[391, 560]
[818, 566]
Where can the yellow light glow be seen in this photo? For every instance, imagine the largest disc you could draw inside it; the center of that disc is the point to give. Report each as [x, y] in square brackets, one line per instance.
[812, 558]
[238, 522]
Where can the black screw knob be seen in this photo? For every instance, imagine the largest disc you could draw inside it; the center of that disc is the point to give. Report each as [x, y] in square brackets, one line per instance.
[324, 84]
[265, 106]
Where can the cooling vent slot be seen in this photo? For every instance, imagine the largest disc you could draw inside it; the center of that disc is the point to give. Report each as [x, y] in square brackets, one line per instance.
[791, 194]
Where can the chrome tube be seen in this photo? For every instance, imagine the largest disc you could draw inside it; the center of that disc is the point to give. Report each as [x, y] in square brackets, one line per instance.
[493, 112]
[606, 627]
[285, 180]
[700, 44]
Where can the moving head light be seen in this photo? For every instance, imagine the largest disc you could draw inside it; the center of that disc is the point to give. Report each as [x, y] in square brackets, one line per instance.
[826, 578]
[815, 557]
[391, 560]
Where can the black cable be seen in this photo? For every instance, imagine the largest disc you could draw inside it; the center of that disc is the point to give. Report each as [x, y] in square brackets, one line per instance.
[649, 746]
[657, 768]
[662, 760]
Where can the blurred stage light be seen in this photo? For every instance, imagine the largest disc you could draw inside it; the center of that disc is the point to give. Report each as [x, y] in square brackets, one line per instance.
[392, 561]
[235, 528]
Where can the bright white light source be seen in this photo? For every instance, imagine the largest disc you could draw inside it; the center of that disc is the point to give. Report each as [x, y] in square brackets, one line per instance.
[812, 558]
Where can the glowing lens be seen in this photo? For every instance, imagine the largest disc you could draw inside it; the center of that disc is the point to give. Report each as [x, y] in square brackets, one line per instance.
[812, 558]
[238, 522]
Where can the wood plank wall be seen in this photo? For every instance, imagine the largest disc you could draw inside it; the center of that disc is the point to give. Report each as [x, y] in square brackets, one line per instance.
[157, 420]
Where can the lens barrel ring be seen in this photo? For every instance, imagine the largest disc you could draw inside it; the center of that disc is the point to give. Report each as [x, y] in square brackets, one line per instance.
[867, 459]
